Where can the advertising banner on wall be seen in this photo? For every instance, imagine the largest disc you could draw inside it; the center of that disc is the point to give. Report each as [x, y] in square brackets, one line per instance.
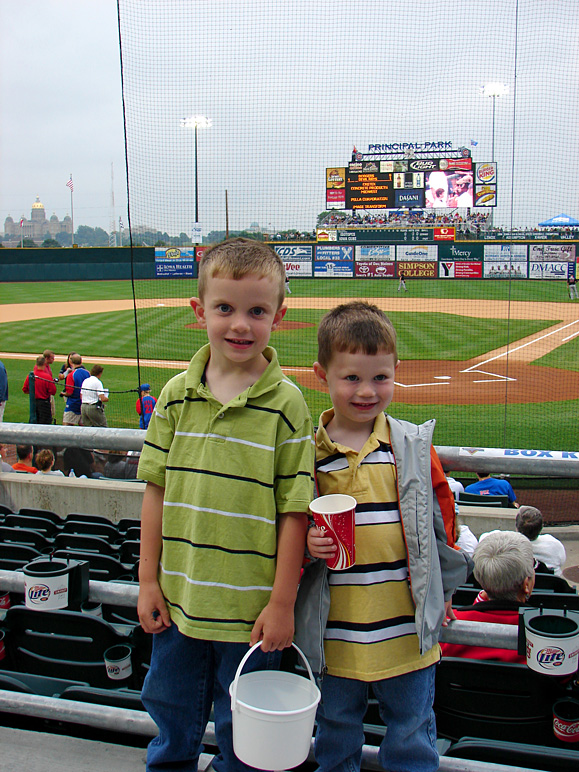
[444, 234]
[459, 270]
[557, 270]
[375, 235]
[295, 252]
[334, 270]
[501, 252]
[376, 252]
[419, 270]
[374, 270]
[551, 252]
[175, 262]
[505, 270]
[295, 268]
[426, 252]
[462, 250]
[327, 252]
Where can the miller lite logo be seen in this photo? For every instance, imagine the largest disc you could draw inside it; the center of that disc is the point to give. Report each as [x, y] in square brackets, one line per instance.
[38, 593]
[551, 657]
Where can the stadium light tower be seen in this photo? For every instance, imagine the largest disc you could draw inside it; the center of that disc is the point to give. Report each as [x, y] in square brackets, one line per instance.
[196, 122]
[494, 90]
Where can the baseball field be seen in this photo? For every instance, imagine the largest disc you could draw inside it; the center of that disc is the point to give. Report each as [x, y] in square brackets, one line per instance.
[496, 363]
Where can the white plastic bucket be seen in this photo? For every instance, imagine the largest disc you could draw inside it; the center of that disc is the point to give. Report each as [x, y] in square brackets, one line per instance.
[552, 643]
[273, 716]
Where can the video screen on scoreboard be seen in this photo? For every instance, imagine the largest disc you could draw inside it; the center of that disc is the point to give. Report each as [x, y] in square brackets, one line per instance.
[449, 189]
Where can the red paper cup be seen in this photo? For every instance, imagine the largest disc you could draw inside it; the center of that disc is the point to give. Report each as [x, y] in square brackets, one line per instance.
[566, 720]
[335, 514]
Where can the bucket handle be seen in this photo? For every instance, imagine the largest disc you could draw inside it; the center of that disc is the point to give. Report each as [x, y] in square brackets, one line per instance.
[248, 655]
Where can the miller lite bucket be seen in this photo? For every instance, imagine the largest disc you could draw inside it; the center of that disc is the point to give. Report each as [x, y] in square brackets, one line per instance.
[55, 583]
[552, 641]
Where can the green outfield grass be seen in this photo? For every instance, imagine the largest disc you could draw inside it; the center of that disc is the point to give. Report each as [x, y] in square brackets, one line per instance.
[163, 334]
[426, 335]
[43, 292]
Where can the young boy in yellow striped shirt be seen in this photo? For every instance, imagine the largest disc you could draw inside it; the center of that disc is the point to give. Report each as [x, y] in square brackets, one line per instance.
[385, 612]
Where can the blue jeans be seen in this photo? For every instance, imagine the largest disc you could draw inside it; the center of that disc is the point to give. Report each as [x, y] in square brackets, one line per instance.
[405, 704]
[186, 676]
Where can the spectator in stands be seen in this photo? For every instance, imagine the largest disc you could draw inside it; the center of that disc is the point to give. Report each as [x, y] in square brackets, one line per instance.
[465, 538]
[73, 384]
[504, 568]
[4, 466]
[490, 486]
[145, 405]
[44, 463]
[456, 487]
[3, 390]
[44, 388]
[24, 463]
[546, 548]
[79, 462]
[93, 396]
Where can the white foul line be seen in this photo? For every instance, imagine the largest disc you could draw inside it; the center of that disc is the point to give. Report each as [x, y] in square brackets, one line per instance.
[523, 345]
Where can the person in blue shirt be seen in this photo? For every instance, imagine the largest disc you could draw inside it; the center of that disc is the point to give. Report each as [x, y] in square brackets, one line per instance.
[491, 486]
[145, 405]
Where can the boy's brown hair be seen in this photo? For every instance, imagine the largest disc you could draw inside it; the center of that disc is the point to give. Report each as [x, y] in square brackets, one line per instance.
[239, 257]
[355, 327]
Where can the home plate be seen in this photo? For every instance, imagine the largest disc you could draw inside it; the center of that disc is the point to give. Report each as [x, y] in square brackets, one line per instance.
[443, 377]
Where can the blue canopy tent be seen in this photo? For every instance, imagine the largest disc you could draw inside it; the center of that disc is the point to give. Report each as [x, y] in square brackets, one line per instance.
[560, 220]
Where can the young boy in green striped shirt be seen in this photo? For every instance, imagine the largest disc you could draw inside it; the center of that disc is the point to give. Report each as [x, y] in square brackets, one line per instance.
[228, 460]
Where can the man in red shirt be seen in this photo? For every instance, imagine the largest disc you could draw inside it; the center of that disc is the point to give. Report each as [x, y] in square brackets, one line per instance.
[44, 389]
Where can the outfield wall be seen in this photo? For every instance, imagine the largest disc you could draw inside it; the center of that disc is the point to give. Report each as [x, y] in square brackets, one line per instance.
[418, 258]
[94, 263]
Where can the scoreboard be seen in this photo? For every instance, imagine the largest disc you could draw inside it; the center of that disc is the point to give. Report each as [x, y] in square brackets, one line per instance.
[424, 183]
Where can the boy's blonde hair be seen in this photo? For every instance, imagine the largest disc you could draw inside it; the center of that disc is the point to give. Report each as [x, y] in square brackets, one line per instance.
[355, 327]
[239, 257]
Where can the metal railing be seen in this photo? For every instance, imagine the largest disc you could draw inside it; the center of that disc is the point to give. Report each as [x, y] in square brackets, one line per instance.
[542, 463]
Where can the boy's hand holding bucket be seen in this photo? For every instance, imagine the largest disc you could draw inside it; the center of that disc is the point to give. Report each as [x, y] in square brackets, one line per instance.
[335, 517]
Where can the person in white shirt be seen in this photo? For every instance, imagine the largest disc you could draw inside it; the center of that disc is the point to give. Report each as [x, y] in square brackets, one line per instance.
[93, 395]
[44, 462]
[546, 548]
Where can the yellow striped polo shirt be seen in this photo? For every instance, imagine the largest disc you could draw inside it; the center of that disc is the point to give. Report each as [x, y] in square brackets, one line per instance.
[371, 633]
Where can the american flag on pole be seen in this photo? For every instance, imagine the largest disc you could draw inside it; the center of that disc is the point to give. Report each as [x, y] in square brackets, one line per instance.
[21, 221]
[70, 184]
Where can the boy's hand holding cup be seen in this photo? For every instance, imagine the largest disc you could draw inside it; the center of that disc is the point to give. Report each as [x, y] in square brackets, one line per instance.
[334, 537]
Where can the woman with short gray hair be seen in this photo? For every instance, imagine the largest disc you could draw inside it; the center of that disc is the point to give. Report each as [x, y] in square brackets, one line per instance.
[504, 568]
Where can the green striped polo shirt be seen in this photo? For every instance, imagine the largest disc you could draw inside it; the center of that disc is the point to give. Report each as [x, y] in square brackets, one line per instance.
[228, 471]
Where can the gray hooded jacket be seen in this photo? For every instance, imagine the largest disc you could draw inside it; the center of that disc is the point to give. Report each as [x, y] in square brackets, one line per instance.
[435, 569]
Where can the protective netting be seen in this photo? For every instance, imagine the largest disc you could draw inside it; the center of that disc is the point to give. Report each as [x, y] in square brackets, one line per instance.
[297, 94]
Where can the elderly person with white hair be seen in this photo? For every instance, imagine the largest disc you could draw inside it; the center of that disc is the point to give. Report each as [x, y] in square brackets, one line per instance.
[504, 568]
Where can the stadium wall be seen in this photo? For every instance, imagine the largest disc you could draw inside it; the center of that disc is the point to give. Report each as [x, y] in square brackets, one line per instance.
[95, 263]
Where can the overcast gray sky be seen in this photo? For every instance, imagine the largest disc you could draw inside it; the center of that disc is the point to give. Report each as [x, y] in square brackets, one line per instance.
[290, 88]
